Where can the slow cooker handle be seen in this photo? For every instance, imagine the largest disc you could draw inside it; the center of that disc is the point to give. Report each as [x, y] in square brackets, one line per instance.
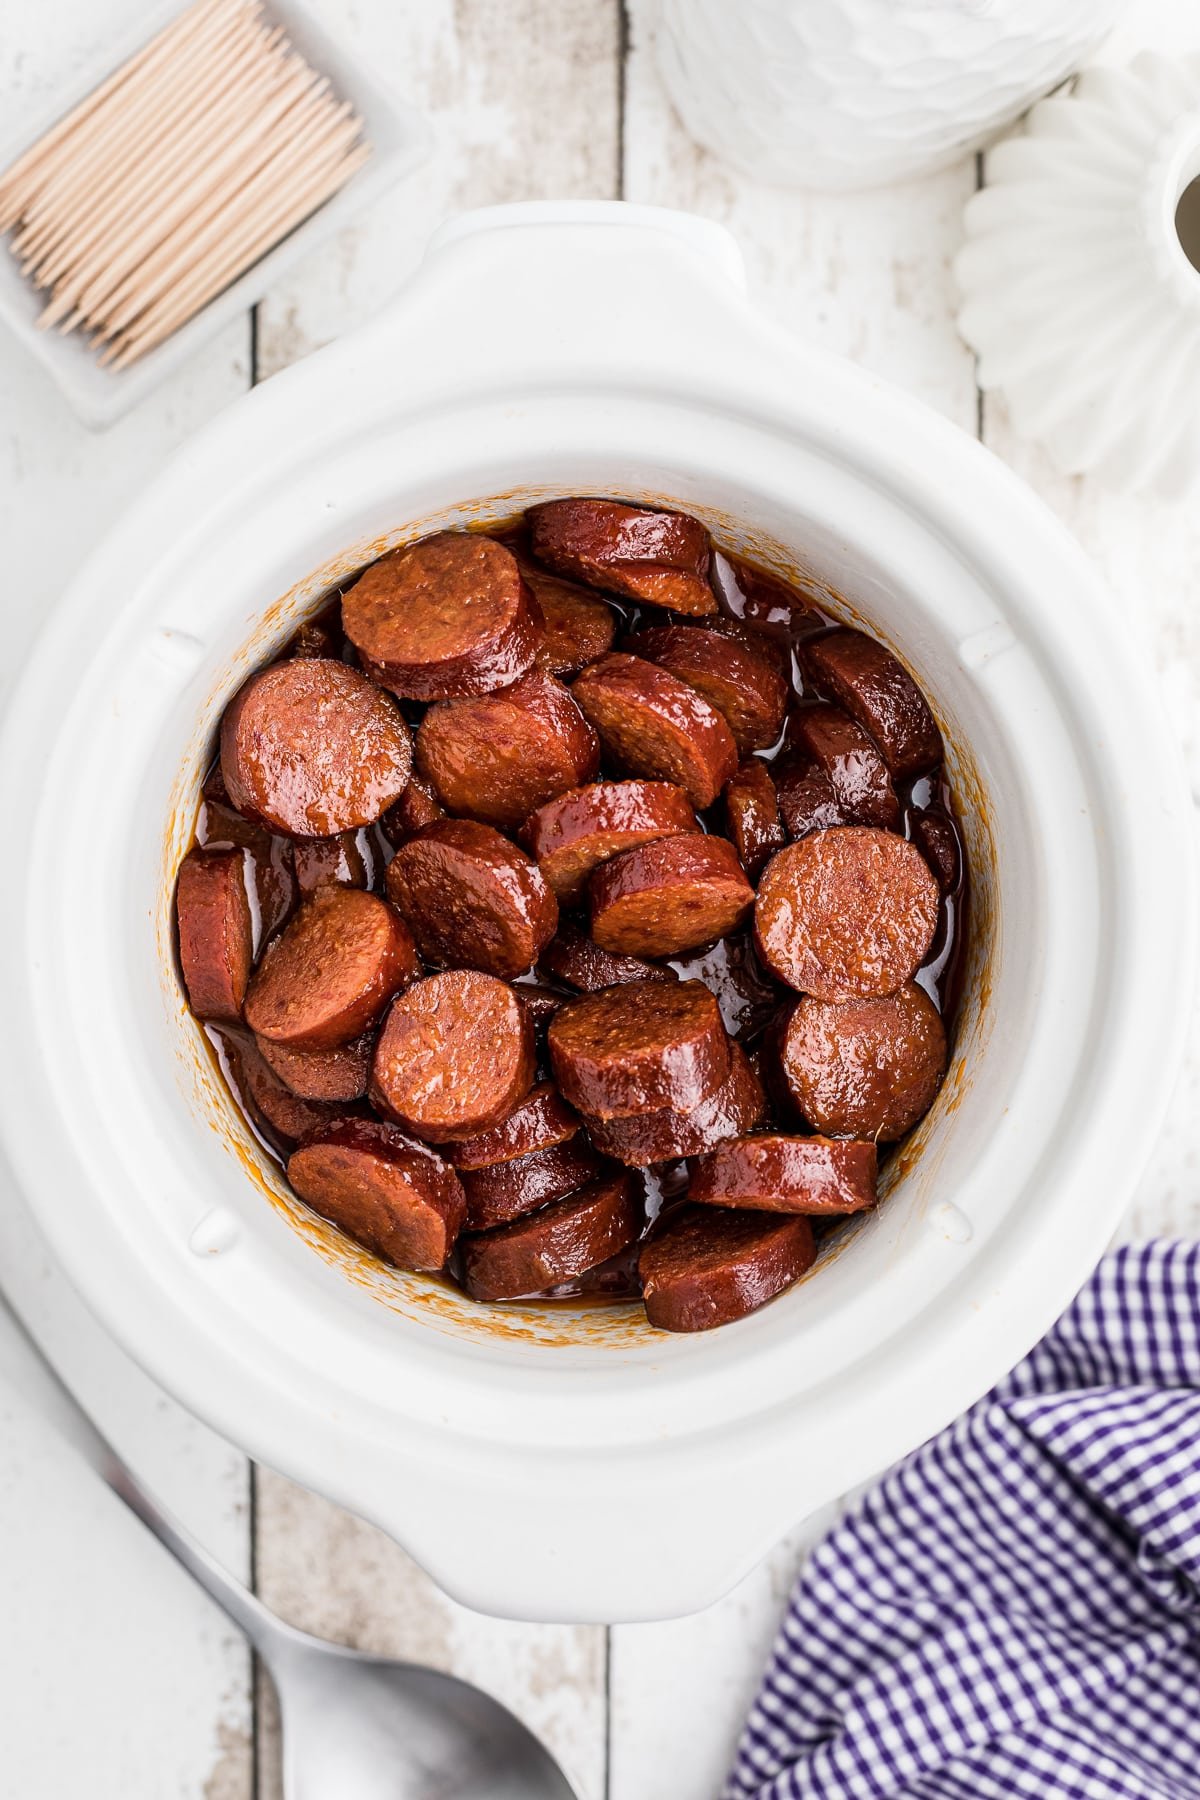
[704, 236]
[547, 293]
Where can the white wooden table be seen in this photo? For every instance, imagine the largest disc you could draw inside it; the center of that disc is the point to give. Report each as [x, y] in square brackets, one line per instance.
[116, 1678]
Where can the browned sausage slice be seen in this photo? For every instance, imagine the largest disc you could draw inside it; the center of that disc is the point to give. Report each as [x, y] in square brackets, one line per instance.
[777, 1173]
[857, 773]
[417, 806]
[806, 797]
[443, 618]
[395, 1197]
[454, 1057]
[471, 899]
[325, 862]
[877, 690]
[499, 757]
[555, 1244]
[866, 1068]
[216, 931]
[637, 1048]
[660, 557]
[330, 974]
[321, 636]
[764, 603]
[571, 956]
[752, 816]
[846, 914]
[540, 1002]
[573, 834]
[703, 1267]
[220, 827]
[935, 837]
[664, 1136]
[538, 1122]
[768, 643]
[748, 692]
[506, 1190]
[282, 1116]
[576, 626]
[312, 747]
[339, 1074]
[653, 724]
[673, 895]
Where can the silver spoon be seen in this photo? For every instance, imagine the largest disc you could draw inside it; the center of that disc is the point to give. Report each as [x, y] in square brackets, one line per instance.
[355, 1727]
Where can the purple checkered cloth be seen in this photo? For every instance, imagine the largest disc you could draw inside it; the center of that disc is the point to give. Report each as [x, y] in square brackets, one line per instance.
[1013, 1613]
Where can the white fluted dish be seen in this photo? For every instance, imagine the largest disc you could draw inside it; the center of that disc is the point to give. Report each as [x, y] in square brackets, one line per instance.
[1079, 298]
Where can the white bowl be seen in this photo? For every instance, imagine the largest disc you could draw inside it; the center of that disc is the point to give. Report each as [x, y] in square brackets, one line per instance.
[400, 142]
[571, 1463]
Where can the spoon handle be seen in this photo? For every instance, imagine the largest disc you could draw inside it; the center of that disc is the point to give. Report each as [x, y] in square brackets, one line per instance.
[35, 1377]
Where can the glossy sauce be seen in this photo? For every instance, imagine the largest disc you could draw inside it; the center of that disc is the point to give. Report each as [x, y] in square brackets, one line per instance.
[748, 996]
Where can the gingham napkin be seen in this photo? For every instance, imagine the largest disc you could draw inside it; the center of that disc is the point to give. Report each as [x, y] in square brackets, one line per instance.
[1014, 1612]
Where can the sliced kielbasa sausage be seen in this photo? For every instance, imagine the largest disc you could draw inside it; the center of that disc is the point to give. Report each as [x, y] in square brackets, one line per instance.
[393, 1196]
[770, 643]
[443, 618]
[743, 685]
[417, 806]
[540, 1001]
[471, 898]
[318, 637]
[659, 557]
[282, 1116]
[272, 859]
[857, 773]
[505, 1190]
[499, 757]
[556, 1244]
[638, 1048]
[216, 931]
[339, 1074]
[846, 914]
[875, 688]
[572, 834]
[669, 896]
[652, 723]
[806, 797]
[864, 1068]
[538, 1122]
[311, 747]
[774, 1172]
[330, 974]
[752, 816]
[762, 602]
[454, 1057]
[577, 627]
[666, 1135]
[703, 1267]
[327, 862]
[573, 957]
[935, 837]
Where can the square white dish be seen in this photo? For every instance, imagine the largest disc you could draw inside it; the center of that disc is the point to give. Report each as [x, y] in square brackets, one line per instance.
[400, 141]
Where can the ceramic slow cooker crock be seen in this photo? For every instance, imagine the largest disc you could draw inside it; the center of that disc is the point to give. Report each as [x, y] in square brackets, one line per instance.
[569, 1462]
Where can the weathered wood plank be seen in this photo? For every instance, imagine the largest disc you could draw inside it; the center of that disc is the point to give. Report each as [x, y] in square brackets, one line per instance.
[332, 1574]
[680, 1690]
[121, 1679]
[523, 98]
[866, 275]
[524, 103]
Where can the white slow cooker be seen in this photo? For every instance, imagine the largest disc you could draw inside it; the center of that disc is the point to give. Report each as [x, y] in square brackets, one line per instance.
[570, 1463]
